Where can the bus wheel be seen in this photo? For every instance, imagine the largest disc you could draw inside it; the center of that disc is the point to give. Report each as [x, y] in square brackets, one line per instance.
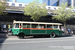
[21, 35]
[52, 35]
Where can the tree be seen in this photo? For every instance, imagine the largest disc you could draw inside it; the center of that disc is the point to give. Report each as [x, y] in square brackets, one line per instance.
[2, 7]
[35, 10]
[63, 14]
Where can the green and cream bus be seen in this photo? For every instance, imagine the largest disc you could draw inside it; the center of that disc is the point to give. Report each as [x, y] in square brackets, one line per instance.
[24, 28]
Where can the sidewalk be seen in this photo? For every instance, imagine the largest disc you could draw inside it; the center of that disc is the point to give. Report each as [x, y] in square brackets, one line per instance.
[63, 34]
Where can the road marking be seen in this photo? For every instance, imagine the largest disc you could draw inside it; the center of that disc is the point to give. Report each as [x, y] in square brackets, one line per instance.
[35, 42]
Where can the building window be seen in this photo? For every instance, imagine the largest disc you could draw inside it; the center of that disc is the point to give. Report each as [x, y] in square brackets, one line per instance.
[48, 7]
[69, 3]
[54, 8]
[13, 4]
[7, 3]
[20, 5]
[7, 0]
[25, 5]
[74, 3]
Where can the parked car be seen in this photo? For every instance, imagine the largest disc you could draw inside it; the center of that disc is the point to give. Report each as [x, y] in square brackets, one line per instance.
[9, 29]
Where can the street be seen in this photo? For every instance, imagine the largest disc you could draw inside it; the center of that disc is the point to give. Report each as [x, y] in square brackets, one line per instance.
[46, 43]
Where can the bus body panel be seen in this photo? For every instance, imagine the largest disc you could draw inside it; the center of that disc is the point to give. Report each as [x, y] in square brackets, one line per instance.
[60, 32]
[51, 31]
[35, 28]
[35, 32]
[26, 31]
[15, 31]
[42, 31]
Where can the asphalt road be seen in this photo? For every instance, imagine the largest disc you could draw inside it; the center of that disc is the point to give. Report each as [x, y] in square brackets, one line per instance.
[58, 43]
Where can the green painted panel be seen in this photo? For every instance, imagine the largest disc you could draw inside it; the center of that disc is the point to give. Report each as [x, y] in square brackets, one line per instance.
[16, 31]
[55, 31]
[49, 31]
[34, 31]
[60, 32]
[38, 31]
[42, 31]
[26, 31]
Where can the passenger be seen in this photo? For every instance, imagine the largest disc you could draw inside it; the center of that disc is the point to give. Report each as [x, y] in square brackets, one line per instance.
[20, 26]
[69, 31]
[42, 26]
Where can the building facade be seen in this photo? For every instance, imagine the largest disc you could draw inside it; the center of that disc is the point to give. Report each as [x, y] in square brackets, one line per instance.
[15, 11]
[59, 2]
[51, 2]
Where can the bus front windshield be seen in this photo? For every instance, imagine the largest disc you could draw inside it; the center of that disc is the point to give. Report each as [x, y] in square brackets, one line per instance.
[16, 25]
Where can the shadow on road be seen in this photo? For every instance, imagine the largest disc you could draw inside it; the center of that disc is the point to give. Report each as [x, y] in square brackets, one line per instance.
[64, 36]
[3, 37]
[32, 37]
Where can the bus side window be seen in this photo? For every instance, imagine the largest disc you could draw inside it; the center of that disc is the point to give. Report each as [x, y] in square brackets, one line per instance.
[35, 26]
[55, 26]
[49, 26]
[42, 26]
[26, 25]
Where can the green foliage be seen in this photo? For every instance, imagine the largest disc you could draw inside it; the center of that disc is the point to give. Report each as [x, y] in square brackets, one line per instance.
[35, 10]
[63, 14]
[2, 8]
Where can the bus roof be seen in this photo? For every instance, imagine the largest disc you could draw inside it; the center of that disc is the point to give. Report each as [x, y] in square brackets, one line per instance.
[37, 23]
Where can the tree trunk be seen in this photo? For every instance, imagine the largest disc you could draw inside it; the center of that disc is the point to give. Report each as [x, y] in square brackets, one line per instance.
[65, 28]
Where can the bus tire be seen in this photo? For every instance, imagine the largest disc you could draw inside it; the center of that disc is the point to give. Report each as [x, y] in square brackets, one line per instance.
[21, 35]
[52, 35]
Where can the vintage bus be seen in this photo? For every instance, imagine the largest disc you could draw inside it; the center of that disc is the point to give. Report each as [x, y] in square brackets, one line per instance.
[24, 28]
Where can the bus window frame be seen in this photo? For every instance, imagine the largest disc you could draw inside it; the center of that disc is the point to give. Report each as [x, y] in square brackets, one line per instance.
[49, 25]
[34, 24]
[57, 27]
[46, 25]
[26, 24]
[15, 25]
[42, 26]
[21, 24]
[53, 26]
